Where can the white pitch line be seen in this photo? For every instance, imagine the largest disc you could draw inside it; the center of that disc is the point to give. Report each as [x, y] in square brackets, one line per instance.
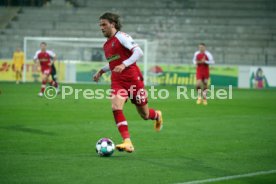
[230, 177]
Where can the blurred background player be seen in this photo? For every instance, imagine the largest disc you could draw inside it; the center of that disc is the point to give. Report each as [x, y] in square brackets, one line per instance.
[202, 58]
[54, 74]
[46, 59]
[122, 53]
[17, 64]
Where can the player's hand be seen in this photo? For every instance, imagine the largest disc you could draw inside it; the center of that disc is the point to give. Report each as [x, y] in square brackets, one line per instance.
[203, 59]
[97, 76]
[119, 68]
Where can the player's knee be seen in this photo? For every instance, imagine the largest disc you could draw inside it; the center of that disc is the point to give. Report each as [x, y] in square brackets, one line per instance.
[115, 107]
[198, 87]
[198, 84]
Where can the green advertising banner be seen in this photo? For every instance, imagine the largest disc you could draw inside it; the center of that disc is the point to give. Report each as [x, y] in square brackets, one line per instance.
[84, 72]
[186, 75]
[167, 74]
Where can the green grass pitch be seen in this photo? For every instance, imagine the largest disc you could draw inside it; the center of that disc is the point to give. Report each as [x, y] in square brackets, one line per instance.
[53, 141]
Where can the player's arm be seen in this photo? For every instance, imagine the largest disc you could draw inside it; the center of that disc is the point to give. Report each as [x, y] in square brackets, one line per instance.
[35, 59]
[54, 59]
[137, 53]
[53, 56]
[130, 44]
[104, 69]
[23, 58]
[195, 61]
[13, 62]
[210, 57]
[22, 61]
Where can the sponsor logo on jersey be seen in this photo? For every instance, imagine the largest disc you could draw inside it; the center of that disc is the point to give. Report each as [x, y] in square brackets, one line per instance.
[112, 58]
[43, 60]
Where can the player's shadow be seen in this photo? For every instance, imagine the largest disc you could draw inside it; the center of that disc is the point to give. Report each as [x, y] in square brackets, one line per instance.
[21, 128]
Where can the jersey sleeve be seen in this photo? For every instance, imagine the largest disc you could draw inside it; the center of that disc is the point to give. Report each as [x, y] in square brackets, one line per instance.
[51, 53]
[126, 40]
[36, 55]
[210, 57]
[195, 55]
[22, 57]
[137, 54]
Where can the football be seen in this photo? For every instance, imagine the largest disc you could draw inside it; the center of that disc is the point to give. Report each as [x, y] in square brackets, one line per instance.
[105, 147]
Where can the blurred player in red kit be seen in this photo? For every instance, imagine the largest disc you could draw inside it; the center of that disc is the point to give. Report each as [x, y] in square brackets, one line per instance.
[202, 58]
[122, 53]
[46, 59]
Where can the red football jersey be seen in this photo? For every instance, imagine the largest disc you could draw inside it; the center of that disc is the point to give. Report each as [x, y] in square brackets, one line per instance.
[204, 68]
[44, 58]
[118, 49]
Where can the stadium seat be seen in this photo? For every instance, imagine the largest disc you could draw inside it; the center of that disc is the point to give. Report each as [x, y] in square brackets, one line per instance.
[247, 32]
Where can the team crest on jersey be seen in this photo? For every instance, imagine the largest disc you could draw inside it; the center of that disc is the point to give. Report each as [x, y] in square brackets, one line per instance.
[112, 44]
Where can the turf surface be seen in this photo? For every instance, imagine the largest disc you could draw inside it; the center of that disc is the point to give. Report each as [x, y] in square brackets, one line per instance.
[53, 141]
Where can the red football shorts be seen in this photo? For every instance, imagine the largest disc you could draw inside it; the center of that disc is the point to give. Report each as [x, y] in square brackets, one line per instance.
[202, 75]
[46, 71]
[134, 90]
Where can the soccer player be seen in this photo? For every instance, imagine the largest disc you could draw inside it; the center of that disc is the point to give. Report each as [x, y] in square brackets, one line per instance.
[17, 64]
[54, 75]
[202, 58]
[46, 59]
[122, 53]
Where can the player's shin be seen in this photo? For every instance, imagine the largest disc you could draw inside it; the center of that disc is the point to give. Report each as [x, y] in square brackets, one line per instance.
[54, 83]
[20, 75]
[16, 76]
[152, 114]
[121, 123]
[199, 94]
[204, 93]
[199, 90]
[43, 86]
[157, 116]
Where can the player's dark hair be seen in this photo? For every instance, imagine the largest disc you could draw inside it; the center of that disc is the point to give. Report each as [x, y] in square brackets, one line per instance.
[43, 43]
[112, 18]
[203, 44]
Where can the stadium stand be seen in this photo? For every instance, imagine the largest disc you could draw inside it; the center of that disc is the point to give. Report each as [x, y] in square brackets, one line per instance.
[236, 32]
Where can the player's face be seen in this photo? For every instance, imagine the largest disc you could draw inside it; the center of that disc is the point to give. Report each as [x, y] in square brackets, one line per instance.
[106, 28]
[201, 48]
[43, 47]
